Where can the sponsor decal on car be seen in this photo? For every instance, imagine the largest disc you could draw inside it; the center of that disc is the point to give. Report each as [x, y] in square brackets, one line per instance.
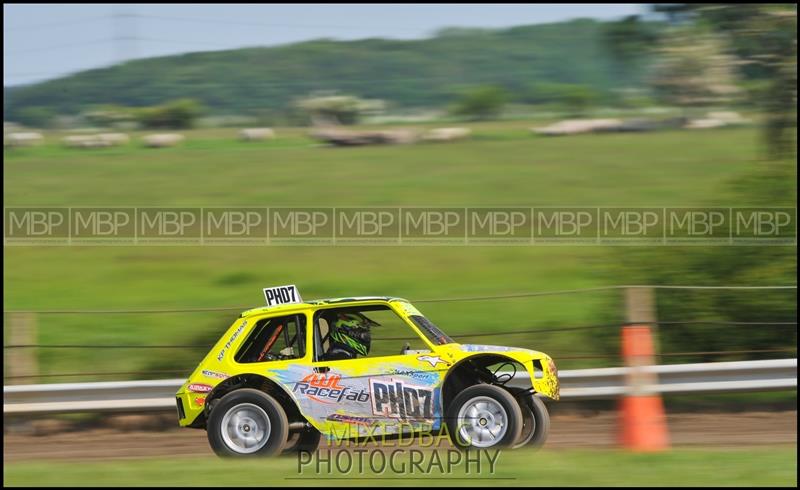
[200, 400]
[351, 419]
[214, 374]
[326, 389]
[490, 348]
[230, 340]
[433, 360]
[397, 399]
[200, 388]
[427, 377]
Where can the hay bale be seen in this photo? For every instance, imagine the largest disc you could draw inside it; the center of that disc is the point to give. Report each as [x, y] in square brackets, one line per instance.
[256, 134]
[579, 126]
[705, 123]
[342, 137]
[727, 117]
[446, 134]
[114, 139]
[162, 140]
[23, 139]
[85, 141]
[399, 137]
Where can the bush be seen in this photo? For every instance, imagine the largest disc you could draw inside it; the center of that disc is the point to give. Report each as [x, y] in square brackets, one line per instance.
[481, 103]
[339, 109]
[178, 114]
[574, 98]
[110, 116]
[732, 317]
[37, 117]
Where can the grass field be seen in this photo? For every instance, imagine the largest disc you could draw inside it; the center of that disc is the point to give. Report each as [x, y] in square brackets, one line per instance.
[502, 165]
[684, 467]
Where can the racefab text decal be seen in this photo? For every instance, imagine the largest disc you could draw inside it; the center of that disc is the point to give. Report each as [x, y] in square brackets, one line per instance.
[399, 399]
[327, 389]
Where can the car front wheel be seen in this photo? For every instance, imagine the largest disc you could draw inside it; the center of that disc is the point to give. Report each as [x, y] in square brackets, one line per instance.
[536, 422]
[247, 422]
[484, 416]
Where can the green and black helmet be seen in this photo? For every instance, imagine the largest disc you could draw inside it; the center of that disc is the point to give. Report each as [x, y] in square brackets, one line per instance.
[351, 332]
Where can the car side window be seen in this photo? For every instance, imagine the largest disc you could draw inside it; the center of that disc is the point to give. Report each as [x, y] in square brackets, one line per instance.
[274, 339]
[362, 332]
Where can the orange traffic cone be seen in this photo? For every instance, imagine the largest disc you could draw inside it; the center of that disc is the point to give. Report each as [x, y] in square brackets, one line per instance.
[641, 411]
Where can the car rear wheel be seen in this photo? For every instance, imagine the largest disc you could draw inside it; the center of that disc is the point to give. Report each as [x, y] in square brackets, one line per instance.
[484, 416]
[247, 422]
[535, 422]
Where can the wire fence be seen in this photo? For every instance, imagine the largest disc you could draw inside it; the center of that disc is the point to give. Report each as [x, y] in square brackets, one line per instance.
[475, 333]
[560, 357]
[457, 336]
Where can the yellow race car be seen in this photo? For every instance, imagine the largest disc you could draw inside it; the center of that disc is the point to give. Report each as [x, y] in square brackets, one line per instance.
[285, 375]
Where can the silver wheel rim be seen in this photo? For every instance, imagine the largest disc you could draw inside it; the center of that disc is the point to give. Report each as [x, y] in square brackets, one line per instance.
[246, 428]
[482, 422]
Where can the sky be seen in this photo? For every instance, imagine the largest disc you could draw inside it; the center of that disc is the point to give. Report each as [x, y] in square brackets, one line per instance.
[47, 41]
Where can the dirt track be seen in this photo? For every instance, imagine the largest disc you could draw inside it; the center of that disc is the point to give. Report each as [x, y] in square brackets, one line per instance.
[567, 431]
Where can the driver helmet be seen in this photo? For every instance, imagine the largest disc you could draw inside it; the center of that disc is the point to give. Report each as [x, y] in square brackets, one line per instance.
[351, 332]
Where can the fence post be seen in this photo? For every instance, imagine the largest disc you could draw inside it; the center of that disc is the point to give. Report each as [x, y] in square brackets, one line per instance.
[643, 424]
[21, 361]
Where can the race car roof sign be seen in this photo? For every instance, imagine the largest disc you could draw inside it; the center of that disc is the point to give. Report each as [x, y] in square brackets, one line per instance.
[282, 295]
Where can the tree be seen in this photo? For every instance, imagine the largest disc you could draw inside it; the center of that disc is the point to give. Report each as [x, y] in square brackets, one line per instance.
[630, 42]
[764, 39]
[693, 70]
[578, 98]
[109, 115]
[733, 321]
[481, 103]
[338, 109]
[178, 114]
[38, 117]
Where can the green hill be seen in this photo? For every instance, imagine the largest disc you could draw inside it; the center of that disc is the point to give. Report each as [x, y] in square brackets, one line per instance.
[427, 72]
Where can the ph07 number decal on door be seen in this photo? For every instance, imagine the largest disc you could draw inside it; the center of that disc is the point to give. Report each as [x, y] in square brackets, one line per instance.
[398, 399]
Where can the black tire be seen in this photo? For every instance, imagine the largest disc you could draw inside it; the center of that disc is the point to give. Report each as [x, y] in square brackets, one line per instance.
[536, 422]
[510, 410]
[304, 441]
[254, 408]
